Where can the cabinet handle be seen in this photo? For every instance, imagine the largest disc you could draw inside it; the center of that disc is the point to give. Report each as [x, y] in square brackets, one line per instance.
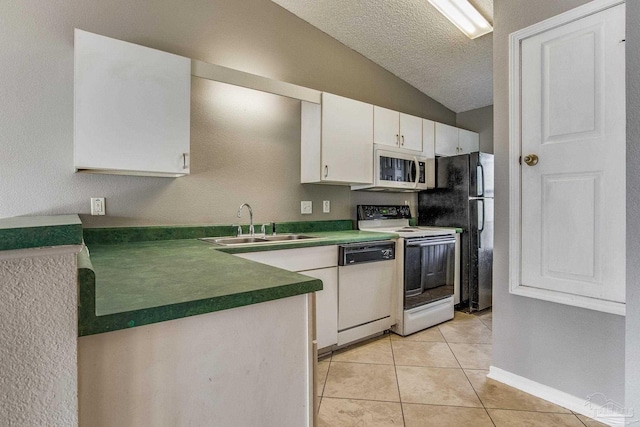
[397, 139]
[403, 140]
[184, 160]
[326, 171]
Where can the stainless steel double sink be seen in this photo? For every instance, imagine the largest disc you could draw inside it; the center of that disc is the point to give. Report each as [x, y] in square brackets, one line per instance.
[243, 240]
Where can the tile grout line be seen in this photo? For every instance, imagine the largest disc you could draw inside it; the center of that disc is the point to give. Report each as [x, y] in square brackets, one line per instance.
[465, 375]
[395, 369]
[324, 384]
[576, 415]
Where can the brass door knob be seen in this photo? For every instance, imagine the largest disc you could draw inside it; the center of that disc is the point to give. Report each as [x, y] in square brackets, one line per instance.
[531, 159]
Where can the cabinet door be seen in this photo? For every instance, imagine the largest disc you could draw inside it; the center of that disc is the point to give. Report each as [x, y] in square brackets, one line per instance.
[131, 107]
[410, 132]
[468, 142]
[446, 140]
[428, 150]
[572, 115]
[326, 306]
[386, 124]
[347, 140]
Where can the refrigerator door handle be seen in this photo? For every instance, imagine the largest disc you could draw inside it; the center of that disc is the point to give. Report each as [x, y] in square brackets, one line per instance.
[481, 228]
[482, 178]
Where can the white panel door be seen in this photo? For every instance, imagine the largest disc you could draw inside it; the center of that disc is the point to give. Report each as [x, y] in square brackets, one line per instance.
[326, 306]
[446, 140]
[386, 125]
[468, 142]
[347, 140]
[410, 132]
[573, 119]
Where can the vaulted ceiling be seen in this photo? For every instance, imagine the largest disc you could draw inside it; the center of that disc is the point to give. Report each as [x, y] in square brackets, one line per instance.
[411, 39]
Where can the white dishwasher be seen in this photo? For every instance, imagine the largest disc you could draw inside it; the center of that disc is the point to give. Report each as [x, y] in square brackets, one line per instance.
[366, 273]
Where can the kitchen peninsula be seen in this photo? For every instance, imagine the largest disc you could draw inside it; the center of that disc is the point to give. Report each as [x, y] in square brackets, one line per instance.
[250, 341]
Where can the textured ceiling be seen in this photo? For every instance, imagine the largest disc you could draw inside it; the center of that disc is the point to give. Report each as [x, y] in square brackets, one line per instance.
[411, 39]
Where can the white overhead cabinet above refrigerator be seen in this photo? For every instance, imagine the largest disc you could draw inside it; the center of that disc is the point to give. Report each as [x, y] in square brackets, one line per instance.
[451, 141]
[131, 108]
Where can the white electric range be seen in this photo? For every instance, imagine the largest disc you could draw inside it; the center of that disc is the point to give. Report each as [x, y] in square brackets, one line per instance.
[428, 267]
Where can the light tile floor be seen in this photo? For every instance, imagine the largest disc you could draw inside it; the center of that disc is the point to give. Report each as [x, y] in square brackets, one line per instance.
[436, 377]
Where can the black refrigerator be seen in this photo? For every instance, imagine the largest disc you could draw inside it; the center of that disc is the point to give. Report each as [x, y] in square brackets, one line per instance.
[463, 198]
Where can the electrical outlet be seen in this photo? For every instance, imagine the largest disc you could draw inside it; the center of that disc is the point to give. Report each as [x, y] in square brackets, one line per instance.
[326, 206]
[97, 206]
[306, 207]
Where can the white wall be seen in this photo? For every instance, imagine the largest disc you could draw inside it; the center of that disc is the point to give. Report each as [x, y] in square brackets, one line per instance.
[479, 120]
[632, 374]
[245, 145]
[38, 339]
[571, 349]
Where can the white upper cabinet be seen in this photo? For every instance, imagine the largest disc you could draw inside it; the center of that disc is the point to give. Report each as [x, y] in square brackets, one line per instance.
[410, 132]
[131, 108]
[468, 141]
[451, 141]
[337, 141]
[446, 140]
[428, 150]
[397, 129]
[386, 126]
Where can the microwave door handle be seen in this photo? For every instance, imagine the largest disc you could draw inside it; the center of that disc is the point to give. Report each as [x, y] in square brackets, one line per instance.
[417, 177]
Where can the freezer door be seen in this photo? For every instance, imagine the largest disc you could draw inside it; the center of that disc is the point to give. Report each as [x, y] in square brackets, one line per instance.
[481, 253]
[447, 204]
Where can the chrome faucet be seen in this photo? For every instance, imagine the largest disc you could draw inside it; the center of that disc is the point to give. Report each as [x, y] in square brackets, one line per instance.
[251, 229]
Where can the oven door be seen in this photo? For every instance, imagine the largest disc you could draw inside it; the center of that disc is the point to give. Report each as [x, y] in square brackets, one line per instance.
[429, 269]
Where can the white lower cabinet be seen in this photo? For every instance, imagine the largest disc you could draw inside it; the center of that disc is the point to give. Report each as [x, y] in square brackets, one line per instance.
[321, 263]
[326, 306]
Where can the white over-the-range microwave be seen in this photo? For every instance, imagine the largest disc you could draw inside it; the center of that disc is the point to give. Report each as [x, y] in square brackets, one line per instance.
[398, 171]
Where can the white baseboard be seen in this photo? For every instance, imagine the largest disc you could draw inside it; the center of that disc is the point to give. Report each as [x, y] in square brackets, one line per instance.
[606, 415]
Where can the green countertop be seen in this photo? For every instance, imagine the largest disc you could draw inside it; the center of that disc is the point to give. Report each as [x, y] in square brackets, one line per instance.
[25, 232]
[130, 284]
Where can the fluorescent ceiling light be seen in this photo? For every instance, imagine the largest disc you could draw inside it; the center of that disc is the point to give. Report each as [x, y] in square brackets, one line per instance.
[464, 16]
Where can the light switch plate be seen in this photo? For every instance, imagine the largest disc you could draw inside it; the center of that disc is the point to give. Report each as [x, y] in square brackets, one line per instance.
[306, 207]
[326, 206]
[97, 206]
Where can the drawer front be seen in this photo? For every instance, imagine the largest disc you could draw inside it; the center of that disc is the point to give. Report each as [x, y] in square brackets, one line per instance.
[297, 259]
